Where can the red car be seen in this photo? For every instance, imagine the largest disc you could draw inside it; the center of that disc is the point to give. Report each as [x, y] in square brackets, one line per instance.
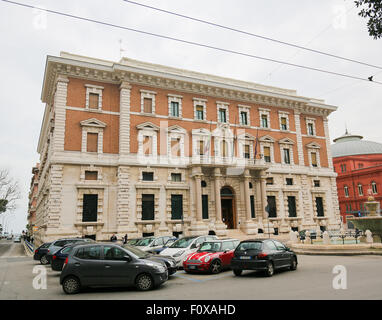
[212, 256]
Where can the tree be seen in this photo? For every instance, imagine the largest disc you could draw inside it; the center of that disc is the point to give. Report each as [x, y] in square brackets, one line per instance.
[372, 11]
[9, 192]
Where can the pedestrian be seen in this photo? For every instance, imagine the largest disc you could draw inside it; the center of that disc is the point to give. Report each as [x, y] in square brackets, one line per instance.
[113, 238]
[125, 239]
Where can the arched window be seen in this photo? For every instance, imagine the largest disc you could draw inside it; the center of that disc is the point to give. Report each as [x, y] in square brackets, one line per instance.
[374, 187]
[346, 190]
[227, 192]
[360, 190]
[203, 184]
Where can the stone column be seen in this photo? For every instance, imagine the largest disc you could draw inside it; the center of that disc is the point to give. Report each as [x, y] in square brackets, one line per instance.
[263, 196]
[124, 119]
[220, 227]
[123, 205]
[327, 140]
[59, 109]
[197, 225]
[299, 138]
[249, 226]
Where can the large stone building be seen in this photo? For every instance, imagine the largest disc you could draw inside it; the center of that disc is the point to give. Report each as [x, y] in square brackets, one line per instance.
[32, 203]
[358, 164]
[138, 148]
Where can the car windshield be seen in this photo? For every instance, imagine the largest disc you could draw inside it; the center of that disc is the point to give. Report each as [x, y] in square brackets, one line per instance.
[255, 245]
[132, 242]
[138, 252]
[210, 247]
[183, 242]
[66, 250]
[144, 242]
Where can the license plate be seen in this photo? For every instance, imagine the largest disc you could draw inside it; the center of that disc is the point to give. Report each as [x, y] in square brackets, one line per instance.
[191, 267]
[245, 257]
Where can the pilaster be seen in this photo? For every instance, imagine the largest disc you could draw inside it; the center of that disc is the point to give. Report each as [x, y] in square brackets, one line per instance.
[59, 110]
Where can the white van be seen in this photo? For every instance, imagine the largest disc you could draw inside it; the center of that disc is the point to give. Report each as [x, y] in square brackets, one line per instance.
[181, 248]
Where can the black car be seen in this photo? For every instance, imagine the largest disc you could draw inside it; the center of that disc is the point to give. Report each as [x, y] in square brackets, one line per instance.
[169, 261]
[40, 253]
[60, 243]
[110, 265]
[60, 256]
[262, 254]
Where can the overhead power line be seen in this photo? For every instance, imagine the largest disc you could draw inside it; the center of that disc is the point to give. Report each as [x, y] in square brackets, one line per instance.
[252, 34]
[186, 41]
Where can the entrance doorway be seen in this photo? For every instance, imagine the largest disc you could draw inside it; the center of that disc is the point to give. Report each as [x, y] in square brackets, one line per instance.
[228, 207]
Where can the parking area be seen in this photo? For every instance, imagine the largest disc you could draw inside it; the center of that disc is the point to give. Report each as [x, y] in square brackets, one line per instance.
[312, 280]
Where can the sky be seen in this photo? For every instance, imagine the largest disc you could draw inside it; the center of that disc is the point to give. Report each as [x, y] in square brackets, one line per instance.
[331, 26]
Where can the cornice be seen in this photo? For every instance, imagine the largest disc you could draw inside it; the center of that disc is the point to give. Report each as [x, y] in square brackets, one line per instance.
[206, 85]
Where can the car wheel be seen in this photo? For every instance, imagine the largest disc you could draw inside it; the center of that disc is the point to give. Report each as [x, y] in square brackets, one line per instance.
[293, 265]
[270, 269]
[44, 260]
[216, 266]
[237, 272]
[71, 285]
[144, 282]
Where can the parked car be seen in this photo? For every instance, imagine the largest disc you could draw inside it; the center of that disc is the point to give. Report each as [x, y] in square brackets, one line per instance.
[110, 265]
[169, 261]
[166, 245]
[212, 256]
[60, 256]
[151, 243]
[9, 237]
[40, 253]
[132, 242]
[58, 244]
[262, 254]
[182, 247]
[17, 239]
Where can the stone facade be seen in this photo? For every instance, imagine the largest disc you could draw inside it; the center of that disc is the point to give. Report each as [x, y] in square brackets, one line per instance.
[172, 156]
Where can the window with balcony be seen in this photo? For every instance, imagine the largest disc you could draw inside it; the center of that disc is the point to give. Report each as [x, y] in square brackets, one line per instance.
[286, 157]
[267, 154]
[92, 142]
[247, 151]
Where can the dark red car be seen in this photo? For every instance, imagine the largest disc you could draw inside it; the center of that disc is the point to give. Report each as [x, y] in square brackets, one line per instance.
[212, 256]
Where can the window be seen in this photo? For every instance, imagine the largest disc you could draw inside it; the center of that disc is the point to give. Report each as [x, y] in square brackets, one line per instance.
[174, 109]
[316, 183]
[92, 142]
[279, 245]
[93, 100]
[222, 115]
[205, 206]
[314, 159]
[343, 167]
[292, 206]
[176, 206]
[113, 253]
[247, 152]
[199, 112]
[244, 118]
[269, 181]
[374, 187]
[147, 176]
[227, 245]
[147, 145]
[147, 105]
[283, 122]
[319, 207]
[89, 207]
[252, 200]
[360, 165]
[286, 156]
[175, 147]
[264, 121]
[147, 207]
[91, 175]
[310, 129]
[289, 181]
[271, 200]
[360, 189]
[203, 184]
[270, 245]
[346, 190]
[89, 253]
[176, 177]
[267, 154]
[224, 148]
[201, 147]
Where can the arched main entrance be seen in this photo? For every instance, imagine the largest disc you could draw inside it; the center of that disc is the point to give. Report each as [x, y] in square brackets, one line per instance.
[228, 207]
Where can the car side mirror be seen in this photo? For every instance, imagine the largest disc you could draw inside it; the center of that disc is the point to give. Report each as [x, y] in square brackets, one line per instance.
[127, 258]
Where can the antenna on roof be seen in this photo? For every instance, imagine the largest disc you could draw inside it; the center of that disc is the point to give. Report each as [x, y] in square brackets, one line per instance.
[120, 48]
[346, 129]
